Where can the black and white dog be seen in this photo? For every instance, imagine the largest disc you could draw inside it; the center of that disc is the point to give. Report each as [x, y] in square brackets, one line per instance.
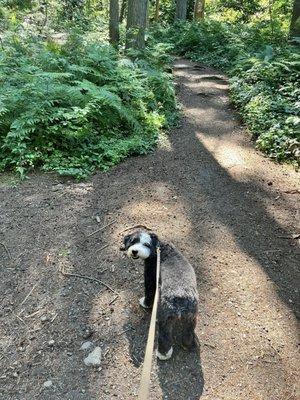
[178, 288]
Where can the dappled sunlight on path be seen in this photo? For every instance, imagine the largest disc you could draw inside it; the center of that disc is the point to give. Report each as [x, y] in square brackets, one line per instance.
[231, 211]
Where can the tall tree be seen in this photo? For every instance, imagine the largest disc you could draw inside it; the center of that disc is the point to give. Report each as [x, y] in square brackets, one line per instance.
[156, 16]
[114, 22]
[123, 10]
[181, 9]
[136, 23]
[199, 9]
[295, 21]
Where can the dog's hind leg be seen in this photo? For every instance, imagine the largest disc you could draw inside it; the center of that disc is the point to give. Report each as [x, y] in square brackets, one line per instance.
[165, 338]
[188, 331]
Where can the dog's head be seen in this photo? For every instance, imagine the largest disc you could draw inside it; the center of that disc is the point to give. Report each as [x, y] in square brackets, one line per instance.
[139, 244]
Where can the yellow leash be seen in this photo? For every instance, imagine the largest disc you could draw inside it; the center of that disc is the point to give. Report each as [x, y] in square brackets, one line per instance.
[145, 379]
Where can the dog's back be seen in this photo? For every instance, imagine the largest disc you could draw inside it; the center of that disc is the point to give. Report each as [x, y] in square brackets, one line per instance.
[178, 282]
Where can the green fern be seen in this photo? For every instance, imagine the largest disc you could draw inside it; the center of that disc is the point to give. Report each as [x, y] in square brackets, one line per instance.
[75, 111]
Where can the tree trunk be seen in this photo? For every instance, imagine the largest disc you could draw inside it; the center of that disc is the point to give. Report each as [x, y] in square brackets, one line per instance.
[147, 16]
[181, 9]
[114, 22]
[295, 21]
[199, 9]
[156, 11]
[123, 10]
[136, 23]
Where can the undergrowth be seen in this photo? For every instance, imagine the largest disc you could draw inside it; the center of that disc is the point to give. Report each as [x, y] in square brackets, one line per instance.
[266, 90]
[79, 106]
[264, 71]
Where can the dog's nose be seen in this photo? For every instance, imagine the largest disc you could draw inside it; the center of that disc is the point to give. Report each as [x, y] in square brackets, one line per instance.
[134, 252]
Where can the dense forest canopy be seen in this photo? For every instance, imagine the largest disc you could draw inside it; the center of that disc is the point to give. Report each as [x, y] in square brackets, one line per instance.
[86, 83]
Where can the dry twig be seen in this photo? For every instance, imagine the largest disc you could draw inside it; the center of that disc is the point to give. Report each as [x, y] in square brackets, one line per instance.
[293, 191]
[54, 317]
[134, 227]
[88, 278]
[6, 249]
[124, 331]
[102, 248]
[32, 289]
[34, 313]
[101, 229]
[105, 354]
[209, 345]
[20, 319]
[113, 300]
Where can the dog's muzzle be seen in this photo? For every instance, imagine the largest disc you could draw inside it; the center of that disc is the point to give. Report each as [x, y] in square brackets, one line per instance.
[138, 251]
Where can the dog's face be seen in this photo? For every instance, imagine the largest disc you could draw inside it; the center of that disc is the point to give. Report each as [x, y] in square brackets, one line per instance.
[139, 244]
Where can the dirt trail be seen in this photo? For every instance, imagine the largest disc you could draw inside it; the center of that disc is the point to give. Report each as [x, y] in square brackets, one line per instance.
[230, 210]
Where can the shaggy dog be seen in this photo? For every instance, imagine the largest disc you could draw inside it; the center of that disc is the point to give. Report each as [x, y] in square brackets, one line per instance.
[178, 288]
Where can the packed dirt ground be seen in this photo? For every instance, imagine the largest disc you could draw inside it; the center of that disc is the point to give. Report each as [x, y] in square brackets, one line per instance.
[232, 212]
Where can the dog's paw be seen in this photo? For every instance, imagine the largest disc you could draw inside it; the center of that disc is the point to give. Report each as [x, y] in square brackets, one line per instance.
[142, 303]
[164, 357]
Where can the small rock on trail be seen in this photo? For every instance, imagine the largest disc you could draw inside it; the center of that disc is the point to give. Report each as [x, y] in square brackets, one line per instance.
[86, 345]
[47, 384]
[94, 358]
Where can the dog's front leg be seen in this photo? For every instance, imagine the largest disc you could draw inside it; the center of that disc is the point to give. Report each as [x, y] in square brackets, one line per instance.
[150, 286]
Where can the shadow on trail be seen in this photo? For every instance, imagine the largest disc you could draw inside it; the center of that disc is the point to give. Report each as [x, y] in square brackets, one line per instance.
[208, 192]
[181, 376]
[186, 367]
[238, 205]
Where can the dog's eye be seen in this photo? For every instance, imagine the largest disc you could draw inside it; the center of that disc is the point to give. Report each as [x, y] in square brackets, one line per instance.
[147, 245]
[134, 241]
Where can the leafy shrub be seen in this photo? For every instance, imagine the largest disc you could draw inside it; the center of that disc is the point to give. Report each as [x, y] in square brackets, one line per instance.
[266, 89]
[216, 43]
[77, 107]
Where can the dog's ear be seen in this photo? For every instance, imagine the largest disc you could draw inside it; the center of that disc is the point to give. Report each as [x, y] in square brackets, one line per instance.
[125, 243]
[154, 239]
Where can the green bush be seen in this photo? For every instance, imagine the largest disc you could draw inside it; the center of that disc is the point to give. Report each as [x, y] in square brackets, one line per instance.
[77, 107]
[267, 91]
[212, 43]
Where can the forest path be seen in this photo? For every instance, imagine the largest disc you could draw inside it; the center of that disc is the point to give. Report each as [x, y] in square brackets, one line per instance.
[232, 212]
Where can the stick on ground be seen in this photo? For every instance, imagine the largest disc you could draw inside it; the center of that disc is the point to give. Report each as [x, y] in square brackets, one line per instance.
[28, 295]
[102, 248]
[6, 249]
[101, 229]
[113, 300]
[135, 227]
[88, 278]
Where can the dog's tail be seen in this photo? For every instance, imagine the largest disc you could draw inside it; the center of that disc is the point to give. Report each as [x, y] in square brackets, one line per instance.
[181, 307]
